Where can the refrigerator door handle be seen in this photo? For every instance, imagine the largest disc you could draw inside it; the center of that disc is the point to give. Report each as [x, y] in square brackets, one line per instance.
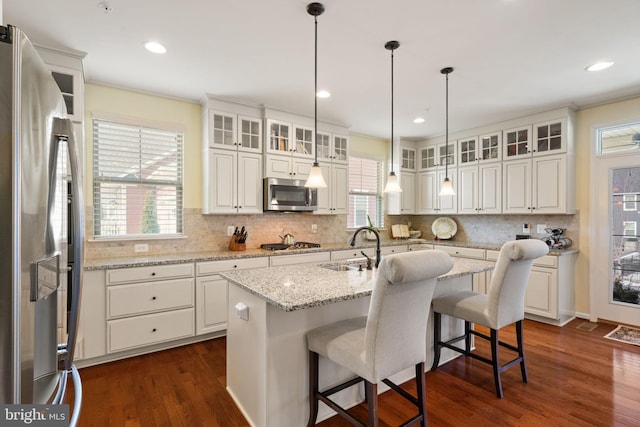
[63, 129]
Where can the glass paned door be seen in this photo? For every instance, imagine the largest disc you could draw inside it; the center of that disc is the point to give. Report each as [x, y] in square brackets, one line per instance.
[625, 250]
[614, 258]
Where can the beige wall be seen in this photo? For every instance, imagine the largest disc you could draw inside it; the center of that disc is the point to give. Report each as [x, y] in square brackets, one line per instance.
[105, 100]
[368, 146]
[586, 121]
[152, 110]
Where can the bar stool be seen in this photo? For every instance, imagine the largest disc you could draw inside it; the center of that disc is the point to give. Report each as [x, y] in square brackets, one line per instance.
[502, 306]
[391, 338]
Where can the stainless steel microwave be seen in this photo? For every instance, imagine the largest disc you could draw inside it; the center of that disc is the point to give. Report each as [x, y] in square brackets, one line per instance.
[289, 195]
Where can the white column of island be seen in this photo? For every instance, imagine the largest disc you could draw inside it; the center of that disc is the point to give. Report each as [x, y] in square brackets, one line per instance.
[267, 359]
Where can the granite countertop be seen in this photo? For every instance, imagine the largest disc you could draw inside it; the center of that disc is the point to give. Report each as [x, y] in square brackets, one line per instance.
[186, 257]
[289, 288]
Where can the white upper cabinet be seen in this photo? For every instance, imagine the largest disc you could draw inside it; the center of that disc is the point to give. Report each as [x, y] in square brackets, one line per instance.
[540, 139]
[333, 148]
[234, 132]
[468, 151]
[480, 189]
[288, 138]
[550, 137]
[539, 185]
[516, 143]
[429, 199]
[334, 198]
[435, 156]
[407, 159]
[490, 147]
[408, 195]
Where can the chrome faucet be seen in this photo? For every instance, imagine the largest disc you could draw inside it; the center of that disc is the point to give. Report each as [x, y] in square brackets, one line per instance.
[352, 241]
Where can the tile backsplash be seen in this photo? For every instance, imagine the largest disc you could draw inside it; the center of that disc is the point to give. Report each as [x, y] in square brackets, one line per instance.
[209, 232]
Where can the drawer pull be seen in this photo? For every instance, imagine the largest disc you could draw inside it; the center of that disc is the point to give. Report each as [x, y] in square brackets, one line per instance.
[235, 266]
[153, 274]
[153, 298]
[153, 330]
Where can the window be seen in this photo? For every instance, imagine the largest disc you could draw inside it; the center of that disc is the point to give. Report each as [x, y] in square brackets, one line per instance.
[137, 181]
[617, 139]
[629, 202]
[365, 193]
[629, 228]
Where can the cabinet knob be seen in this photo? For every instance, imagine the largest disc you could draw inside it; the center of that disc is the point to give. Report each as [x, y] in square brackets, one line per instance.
[235, 266]
[239, 207]
[153, 298]
[153, 274]
[533, 208]
[153, 330]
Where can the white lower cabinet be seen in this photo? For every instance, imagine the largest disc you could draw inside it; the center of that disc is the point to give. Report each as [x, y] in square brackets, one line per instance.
[148, 305]
[478, 279]
[294, 259]
[550, 293]
[211, 291]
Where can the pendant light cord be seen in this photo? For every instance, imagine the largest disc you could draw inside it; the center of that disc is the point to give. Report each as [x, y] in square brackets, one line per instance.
[446, 129]
[391, 110]
[315, 93]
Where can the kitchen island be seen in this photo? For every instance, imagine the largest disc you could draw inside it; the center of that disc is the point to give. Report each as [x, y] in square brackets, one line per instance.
[270, 311]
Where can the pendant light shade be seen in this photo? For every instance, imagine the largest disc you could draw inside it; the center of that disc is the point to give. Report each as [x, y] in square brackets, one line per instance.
[315, 180]
[393, 186]
[447, 188]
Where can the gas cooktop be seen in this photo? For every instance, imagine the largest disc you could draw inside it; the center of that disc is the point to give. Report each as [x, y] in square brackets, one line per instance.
[282, 246]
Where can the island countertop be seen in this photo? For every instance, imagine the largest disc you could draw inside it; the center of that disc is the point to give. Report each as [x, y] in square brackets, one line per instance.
[298, 287]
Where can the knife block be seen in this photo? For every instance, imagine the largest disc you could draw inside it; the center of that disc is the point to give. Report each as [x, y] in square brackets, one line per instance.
[235, 246]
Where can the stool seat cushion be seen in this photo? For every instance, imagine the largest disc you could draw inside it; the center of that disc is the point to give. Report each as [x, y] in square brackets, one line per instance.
[343, 343]
[467, 305]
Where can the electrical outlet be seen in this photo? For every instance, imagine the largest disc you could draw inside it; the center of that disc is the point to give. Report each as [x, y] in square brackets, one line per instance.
[540, 228]
[314, 228]
[141, 247]
[230, 229]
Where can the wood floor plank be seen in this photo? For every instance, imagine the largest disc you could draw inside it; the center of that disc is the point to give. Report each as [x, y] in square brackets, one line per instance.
[576, 378]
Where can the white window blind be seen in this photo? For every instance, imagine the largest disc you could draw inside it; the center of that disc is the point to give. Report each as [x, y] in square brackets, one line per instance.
[365, 192]
[137, 180]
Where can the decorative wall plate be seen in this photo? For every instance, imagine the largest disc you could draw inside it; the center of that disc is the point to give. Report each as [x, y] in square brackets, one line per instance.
[444, 227]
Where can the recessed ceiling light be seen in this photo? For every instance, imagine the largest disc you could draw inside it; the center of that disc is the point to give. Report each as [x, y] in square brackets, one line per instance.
[155, 47]
[323, 94]
[599, 66]
[418, 120]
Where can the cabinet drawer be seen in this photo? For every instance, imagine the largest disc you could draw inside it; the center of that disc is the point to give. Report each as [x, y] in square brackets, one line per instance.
[139, 274]
[352, 253]
[299, 259]
[420, 247]
[492, 255]
[388, 250]
[462, 252]
[547, 261]
[213, 267]
[149, 297]
[123, 334]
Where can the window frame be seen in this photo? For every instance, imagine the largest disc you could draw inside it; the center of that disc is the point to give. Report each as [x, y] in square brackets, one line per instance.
[377, 220]
[143, 127]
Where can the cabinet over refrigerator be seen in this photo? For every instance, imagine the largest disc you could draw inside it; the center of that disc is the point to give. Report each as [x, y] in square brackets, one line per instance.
[36, 148]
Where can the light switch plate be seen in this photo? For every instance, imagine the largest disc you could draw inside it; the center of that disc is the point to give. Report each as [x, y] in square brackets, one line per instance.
[141, 247]
[230, 229]
[540, 228]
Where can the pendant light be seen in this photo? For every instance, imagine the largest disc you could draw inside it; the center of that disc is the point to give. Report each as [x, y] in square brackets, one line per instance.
[447, 188]
[393, 186]
[315, 180]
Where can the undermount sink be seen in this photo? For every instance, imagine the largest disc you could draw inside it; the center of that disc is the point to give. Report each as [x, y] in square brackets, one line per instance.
[345, 266]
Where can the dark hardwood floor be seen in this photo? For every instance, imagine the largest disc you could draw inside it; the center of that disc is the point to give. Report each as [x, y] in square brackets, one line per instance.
[576, 378]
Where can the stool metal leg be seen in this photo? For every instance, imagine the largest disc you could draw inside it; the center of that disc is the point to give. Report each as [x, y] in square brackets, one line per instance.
[313, 388]
[421, 393]
[495, 362]
[371, 394]
[523, 366]
[437, 318]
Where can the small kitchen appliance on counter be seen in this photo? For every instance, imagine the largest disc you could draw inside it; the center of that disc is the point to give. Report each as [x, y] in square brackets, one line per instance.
[556, 238]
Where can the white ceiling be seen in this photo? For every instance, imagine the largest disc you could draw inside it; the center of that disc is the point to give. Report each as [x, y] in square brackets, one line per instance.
[511, 57]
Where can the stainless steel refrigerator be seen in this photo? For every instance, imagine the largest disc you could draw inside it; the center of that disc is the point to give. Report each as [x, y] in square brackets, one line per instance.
[38, 155]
